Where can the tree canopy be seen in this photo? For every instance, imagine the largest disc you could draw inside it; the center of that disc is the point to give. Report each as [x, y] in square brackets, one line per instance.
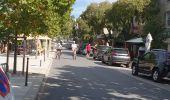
[49, 17]
[120, 17]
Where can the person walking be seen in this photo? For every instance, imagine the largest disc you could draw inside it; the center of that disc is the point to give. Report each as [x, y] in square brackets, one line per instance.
[58, 49]
[88, 49]
[74, 49]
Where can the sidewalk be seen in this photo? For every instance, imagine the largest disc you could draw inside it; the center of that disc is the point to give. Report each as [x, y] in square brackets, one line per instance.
[35, 78]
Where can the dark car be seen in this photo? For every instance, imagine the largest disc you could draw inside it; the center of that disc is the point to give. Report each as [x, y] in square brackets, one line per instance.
[155, 63]
[116, 56]
[99, 51]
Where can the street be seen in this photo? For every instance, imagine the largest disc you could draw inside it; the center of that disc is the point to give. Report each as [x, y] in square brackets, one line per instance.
[87, 79]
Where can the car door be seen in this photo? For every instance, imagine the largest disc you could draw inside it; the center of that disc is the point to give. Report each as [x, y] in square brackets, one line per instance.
[105, 56]
[151, 63]
[109, 54]
[147, 63]
[143, 63]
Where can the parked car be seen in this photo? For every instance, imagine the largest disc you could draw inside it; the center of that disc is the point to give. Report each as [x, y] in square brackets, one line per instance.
[99, 51]
[155, 63]
[5, 87]
[116, 56]
[67, 44]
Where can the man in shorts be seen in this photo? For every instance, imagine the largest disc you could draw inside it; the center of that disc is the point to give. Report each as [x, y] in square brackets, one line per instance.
[58, 48]
[74, 49]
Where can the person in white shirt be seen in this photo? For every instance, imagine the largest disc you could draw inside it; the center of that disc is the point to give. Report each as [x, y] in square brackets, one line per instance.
[74, 49]
[58, 49]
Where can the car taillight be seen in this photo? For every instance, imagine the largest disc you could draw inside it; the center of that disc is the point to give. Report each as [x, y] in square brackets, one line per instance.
[4, 84]
[114, 53]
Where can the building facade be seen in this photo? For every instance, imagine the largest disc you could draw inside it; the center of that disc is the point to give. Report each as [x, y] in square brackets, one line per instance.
[165, 12]
[164, 6]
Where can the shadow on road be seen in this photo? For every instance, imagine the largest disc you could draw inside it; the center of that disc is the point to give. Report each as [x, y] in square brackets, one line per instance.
[89, 83]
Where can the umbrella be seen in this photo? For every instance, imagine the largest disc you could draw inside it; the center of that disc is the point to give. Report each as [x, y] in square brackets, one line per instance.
[148, 42]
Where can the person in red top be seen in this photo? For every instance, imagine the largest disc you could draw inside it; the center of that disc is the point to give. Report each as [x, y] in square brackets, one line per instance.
[88, 49]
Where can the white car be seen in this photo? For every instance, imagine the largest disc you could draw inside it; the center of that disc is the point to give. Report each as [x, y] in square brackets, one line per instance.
[5, 87]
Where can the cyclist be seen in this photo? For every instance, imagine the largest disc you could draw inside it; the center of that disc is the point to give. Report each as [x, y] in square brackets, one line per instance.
[74, 49]
[58, 48]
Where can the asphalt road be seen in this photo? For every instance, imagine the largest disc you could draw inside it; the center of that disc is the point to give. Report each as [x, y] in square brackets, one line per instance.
[86, 79]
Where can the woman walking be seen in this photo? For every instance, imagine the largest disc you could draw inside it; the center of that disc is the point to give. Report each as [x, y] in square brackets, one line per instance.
[74, 49]
[88, 49]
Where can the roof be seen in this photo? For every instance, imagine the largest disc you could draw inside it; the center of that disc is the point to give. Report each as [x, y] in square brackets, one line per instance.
[43, 37]
[135, 40]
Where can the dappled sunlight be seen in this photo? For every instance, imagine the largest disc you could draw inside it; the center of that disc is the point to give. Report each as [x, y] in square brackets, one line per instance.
[15, 86]
[52, 85]
[127, 96]
[74, 83]
[74, 98]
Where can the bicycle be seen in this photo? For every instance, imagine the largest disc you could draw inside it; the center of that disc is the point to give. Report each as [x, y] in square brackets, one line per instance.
[58, 53]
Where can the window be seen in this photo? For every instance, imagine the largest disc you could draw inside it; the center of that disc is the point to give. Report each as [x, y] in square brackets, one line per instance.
[168, 19]
[147, 56]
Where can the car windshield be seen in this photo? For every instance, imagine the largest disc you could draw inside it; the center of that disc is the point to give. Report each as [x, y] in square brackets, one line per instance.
[162, 56]
[103, 47]
[119, 50]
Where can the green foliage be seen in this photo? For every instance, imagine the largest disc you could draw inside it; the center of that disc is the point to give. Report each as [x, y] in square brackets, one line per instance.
[154, 25]
[122, 13]
[84, 29]
[35, 17]
[93, 19]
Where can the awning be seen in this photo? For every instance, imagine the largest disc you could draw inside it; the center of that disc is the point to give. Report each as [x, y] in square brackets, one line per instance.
[38, 37]
[135, 40]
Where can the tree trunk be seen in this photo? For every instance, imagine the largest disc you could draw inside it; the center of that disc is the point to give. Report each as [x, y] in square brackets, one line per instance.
[15, 54]
[24, 48]
[7, 58]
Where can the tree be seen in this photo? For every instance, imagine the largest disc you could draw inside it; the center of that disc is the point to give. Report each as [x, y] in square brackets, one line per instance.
[94, 16]
[154, 25]
[122, 13]
[84, 30]
[32, 17]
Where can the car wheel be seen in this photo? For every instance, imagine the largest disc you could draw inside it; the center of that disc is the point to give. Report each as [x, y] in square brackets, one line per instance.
[128, 65]
[134, 70]
[156, 75]
[110, 63]
[103, 60]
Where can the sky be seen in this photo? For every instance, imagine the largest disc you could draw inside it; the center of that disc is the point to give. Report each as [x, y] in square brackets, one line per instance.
[81, 5]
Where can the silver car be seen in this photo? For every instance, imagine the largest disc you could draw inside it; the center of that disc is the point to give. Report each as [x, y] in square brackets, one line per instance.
[116, 56]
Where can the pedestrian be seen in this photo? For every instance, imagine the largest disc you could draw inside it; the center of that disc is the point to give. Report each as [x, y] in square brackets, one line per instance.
[74, 49]
[88, 49]
[58, 49]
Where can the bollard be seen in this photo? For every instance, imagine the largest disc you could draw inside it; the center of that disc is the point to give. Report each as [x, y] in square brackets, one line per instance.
[26, 78]
[40, 63]
[44, 56]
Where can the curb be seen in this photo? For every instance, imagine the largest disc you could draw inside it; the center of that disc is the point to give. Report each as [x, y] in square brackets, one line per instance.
[37, 87]
[44, 79]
